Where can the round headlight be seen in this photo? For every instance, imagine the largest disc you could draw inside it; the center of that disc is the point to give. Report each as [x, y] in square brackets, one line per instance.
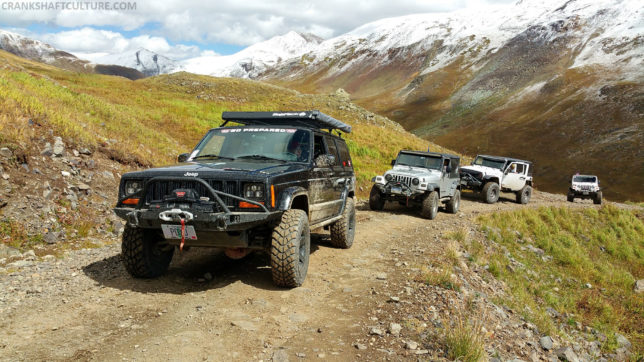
[259, 194]
[415, 181]
[388, 177]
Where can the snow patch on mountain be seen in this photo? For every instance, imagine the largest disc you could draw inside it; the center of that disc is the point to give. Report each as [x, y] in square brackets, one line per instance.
[255, 59]
[32, 49]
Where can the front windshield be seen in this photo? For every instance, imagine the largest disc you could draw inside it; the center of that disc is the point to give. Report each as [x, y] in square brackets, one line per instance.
[406, 159]
[489, 162]
[584, 179]
[283, 144]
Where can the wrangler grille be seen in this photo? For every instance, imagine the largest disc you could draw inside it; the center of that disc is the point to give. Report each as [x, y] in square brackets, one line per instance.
[584, 187]
[403, 179]
[158, 189]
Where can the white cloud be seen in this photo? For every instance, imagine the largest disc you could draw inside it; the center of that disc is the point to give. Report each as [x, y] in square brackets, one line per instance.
[89, 43]
[240, 23]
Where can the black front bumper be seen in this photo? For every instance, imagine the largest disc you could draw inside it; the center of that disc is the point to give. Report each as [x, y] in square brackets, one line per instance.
[214, 223]
[469, 181]
[582, 194]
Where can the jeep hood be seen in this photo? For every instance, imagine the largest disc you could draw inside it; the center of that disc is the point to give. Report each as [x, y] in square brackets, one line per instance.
[429, 175]
[483, 169]
[221, 169]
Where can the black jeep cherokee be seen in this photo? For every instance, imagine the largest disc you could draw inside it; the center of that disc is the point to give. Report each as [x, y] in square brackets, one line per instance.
[262, 185]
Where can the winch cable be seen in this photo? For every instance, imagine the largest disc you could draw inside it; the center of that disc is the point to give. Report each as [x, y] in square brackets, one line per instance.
[183, 234]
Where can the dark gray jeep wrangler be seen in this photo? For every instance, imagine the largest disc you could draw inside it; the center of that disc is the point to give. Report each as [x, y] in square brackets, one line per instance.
[260, 185]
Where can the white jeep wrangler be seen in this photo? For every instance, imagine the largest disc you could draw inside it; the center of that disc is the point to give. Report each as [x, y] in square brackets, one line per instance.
[585, 187]
[489, 175]
[422, 179]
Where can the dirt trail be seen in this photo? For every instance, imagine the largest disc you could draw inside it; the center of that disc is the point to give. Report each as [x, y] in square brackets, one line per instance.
[86, 307]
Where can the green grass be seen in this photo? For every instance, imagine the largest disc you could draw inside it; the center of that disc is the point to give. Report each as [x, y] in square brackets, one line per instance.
[601, 247]
[464, 339]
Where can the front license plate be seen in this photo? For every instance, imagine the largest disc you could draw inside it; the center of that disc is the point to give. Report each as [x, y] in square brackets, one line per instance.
[174, 232]
[585, 192]
[396, 190]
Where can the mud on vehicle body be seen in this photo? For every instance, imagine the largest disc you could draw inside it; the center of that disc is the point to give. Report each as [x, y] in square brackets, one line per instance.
[259, 186]
[489, 175]
[422, 179]
[585, 187]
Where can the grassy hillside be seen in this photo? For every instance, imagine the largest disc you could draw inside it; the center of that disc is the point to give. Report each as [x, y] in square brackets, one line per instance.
[580, 263]
[148, 122]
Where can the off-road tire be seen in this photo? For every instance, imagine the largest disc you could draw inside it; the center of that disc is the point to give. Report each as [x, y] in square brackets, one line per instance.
[290, 248]
[490, 192]
[344, 230]
[598, 198]
[376, 202]
[144, 255]
[429, 207]
[524, 195]
[570, 198]
[454, 203]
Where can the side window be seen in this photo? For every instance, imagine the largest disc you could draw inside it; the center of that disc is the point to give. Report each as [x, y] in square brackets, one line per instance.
[318, 147]
[455, 164]
[520, 168]
[345, 158]
[331, 147]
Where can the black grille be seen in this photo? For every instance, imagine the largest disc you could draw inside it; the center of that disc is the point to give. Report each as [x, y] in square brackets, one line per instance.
[158, 189]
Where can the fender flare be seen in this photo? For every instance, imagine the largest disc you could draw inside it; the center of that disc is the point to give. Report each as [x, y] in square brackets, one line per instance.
[286, 196]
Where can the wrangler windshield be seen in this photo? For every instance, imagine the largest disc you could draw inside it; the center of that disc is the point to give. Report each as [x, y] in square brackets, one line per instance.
[406, 159]
[255, 143]
[489, 162]
[585, 179]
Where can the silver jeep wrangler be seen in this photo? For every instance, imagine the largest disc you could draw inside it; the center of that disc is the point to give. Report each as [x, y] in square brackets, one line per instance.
[585, 187]
[422, 179]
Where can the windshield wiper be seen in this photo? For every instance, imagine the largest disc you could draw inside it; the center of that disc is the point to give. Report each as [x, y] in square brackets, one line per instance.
[213, 156]
[261, 157]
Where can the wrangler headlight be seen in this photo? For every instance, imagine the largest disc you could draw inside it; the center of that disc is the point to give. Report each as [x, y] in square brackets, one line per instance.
[254, 191]
[415, 181]
[388, 177]
[133, 186]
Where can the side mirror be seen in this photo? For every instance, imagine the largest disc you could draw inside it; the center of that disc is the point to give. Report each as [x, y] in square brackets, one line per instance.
[393, 163]
[183, 157]
[448, 169]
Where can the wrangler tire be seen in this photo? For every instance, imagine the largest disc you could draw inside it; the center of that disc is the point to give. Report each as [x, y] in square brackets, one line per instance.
[429, 207]
[143, 254]
[454, 203]
[524, 195]
[343, 231]
[598, 198]
[376, 202]
[490, 192]
[290, 248]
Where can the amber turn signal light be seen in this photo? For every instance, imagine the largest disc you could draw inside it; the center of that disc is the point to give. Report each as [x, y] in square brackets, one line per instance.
[131, 201]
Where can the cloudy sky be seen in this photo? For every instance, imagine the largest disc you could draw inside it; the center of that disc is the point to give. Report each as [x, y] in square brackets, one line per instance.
[188, 28]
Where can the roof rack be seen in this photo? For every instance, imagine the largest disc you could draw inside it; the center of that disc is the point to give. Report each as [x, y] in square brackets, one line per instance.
[309, 119]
